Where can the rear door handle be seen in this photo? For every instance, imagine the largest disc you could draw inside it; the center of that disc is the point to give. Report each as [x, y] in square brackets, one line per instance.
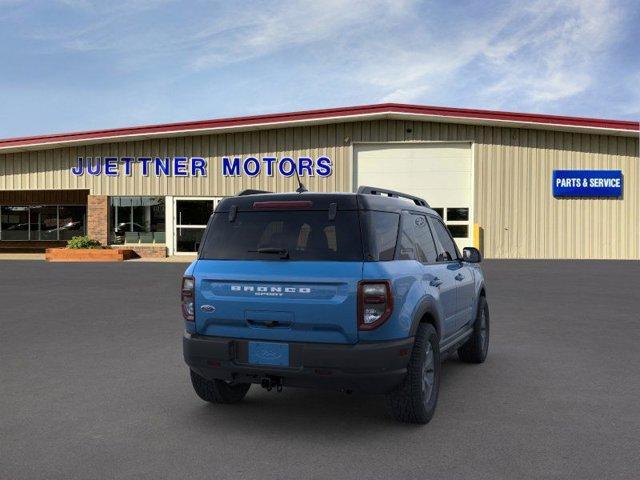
[459, 277]
[436, 282]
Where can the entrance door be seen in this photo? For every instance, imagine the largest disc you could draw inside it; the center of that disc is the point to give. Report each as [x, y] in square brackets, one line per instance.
[439, 172]
[191, 217]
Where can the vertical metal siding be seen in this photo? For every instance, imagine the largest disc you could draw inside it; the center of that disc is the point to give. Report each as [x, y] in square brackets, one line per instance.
[513, 167]
[521, 218]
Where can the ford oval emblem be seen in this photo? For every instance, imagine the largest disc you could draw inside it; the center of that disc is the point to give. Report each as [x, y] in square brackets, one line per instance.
[208, 308]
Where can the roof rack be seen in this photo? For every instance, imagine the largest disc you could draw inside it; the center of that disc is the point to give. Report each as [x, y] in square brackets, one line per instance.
[250, 191]
[392, 193]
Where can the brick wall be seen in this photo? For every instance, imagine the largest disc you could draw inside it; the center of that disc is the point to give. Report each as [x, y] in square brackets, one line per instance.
[145, 251]
[98, 218]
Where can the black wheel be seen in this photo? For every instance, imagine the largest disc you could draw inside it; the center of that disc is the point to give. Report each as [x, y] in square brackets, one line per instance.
[476, 348]
[218, 391]
[415, 400]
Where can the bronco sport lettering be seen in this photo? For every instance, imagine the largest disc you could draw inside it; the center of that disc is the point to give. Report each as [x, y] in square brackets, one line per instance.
[251, 288]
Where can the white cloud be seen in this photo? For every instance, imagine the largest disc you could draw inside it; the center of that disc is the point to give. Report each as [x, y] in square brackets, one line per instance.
[554, 53]
[216, 34]
[510, 55]
[630, 106]
[275, 26]
[530, 56]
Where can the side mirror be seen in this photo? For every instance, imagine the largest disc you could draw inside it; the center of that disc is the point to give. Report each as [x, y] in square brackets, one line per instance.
[471, 255]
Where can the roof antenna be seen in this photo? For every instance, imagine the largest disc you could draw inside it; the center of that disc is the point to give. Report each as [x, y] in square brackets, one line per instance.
[301, 188]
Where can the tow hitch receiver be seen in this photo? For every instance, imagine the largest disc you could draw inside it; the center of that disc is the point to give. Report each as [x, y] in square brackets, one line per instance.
[270, 382]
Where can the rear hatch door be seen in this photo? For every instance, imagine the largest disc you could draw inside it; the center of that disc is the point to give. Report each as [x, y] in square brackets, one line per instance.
[281, 300]
[280, 270]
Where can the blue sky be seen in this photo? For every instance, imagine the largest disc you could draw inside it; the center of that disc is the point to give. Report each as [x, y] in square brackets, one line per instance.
[81, 64]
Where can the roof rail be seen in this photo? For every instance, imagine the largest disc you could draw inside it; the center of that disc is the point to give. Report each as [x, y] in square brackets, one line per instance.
[392, 193]
[250, 191]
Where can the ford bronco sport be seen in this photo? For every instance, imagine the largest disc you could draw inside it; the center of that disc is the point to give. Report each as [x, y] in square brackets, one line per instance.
[361, 291]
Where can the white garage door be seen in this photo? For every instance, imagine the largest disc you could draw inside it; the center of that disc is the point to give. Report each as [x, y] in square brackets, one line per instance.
[441, 173]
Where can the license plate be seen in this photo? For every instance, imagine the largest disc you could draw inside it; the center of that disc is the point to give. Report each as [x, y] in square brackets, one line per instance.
[267, 353]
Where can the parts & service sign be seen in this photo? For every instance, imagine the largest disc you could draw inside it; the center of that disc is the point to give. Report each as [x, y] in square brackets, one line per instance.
[587, 183]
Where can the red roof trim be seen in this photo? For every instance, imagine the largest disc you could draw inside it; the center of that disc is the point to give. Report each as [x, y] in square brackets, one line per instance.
[307, 115]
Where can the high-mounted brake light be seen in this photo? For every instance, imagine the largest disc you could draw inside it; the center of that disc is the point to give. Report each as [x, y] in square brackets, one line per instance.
[187, 298]
[375, 303]
[283, 204]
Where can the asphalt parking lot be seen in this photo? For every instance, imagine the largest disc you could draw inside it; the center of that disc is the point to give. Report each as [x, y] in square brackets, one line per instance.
[92, 385]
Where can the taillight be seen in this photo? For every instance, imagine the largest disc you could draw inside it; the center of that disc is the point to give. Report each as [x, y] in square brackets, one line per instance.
[187, 298]
[375, 303]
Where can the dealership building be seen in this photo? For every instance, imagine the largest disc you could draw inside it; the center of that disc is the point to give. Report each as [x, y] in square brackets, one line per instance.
[516, 185]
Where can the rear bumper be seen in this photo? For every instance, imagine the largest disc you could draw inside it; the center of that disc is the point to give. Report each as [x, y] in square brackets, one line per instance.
[376, 367]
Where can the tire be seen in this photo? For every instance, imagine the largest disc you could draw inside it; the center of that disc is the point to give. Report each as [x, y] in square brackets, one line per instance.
[218, 391]
[476, 348]
[414, 401]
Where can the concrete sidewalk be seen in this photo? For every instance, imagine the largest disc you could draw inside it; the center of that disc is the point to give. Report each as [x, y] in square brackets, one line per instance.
[171, 259]
[21, 256]
[40, 256]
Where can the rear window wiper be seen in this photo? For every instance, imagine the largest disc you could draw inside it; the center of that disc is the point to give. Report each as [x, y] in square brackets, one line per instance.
[283, 252]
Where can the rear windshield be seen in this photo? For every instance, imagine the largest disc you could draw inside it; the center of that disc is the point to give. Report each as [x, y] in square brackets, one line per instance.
[280, 235]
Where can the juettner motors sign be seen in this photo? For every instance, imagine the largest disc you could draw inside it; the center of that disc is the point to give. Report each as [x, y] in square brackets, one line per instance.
[587, 183]
[198, 166]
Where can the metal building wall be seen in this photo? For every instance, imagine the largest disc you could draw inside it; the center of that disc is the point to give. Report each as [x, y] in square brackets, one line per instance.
[513, 200]
[522, 219]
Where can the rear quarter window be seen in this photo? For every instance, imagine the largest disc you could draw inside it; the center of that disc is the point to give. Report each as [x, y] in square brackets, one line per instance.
[381, 234]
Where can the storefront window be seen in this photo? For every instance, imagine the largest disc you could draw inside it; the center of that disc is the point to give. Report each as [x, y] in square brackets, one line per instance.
[194, 212]
[71, 222]
[188, 239]
[42, 222]
[15, 223]
[137, 220]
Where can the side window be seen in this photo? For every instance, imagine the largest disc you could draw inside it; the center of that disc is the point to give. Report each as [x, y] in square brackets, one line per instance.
[448, 250]
[425, 246]
[381, 233]
[407, 242]
[416, 242]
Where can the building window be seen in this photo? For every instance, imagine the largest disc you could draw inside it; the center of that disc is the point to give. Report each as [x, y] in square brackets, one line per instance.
[456, 220]
[457, 214]
[136, 220]
[71, 221]
[42, 222]
[15, 223]
[439, 211]
[458, 231]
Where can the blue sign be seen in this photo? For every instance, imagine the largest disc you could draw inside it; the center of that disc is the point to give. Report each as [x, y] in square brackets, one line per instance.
[587, 183]
[145, 166]
[197, 166]
[285, 166]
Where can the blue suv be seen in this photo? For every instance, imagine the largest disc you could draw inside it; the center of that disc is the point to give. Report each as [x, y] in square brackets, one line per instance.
[361, 291]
